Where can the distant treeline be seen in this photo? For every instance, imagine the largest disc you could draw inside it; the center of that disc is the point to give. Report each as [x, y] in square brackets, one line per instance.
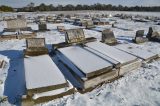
[6, 8]
[43, 7]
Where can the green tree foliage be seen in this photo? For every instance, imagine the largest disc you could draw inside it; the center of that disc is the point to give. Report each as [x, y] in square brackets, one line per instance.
[6, 8]
[43, 7]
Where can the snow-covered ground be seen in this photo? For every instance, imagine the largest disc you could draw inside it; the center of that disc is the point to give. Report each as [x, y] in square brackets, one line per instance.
[138, 88]
[89, 12]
